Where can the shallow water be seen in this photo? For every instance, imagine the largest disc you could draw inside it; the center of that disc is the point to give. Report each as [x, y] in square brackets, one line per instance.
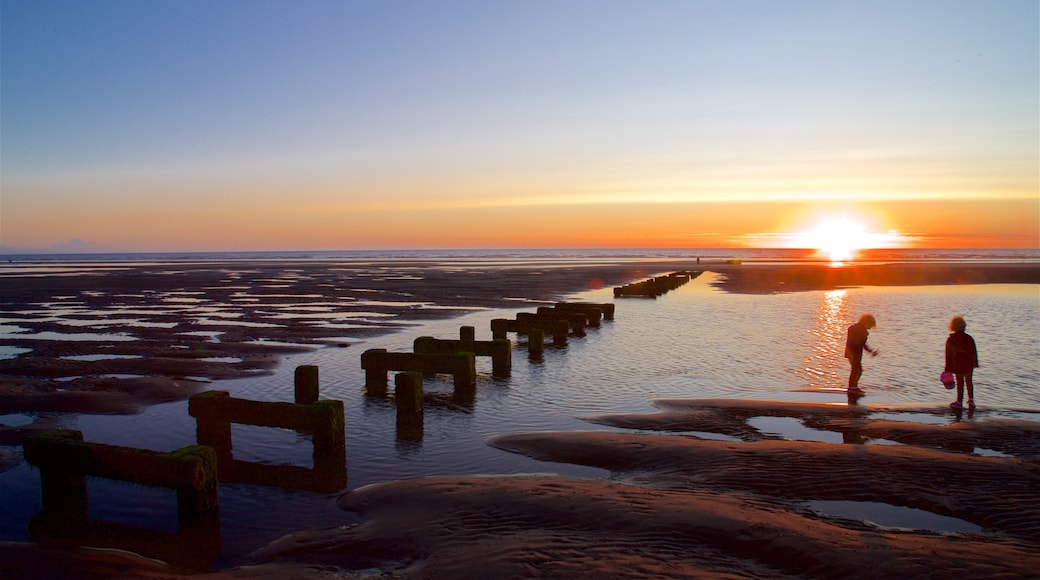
[694, 342]
[893, 517]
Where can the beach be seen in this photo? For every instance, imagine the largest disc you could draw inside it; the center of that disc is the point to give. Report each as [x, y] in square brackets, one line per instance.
[677, 502]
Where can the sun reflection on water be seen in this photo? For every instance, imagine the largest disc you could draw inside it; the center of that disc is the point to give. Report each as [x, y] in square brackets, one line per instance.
[822, 368]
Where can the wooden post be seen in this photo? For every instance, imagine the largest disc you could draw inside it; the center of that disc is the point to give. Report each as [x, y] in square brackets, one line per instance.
[64, 492]
[212, 428]
[306, 384]
[535, 343]
[501, 358]
[376, 373]
[408, 389]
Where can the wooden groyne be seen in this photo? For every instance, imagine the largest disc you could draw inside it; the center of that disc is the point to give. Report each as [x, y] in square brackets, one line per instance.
[215, 411]
[500, 350]
[378, 362]
[559, 330]
[65, 461]
[559, 321]
[654, 287]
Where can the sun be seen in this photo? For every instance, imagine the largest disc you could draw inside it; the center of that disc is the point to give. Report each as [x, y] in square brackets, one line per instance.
[839, 239]
[836, 238]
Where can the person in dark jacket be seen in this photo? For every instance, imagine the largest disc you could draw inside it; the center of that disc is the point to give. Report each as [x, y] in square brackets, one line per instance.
[962, 358]
[855, 344]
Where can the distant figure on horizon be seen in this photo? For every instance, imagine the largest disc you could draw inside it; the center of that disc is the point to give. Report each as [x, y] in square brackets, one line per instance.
[962, 358]
[855, 344]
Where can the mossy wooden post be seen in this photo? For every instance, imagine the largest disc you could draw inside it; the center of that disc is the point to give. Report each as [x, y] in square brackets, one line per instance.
[535, 343]
[202, 495]
[306, 384]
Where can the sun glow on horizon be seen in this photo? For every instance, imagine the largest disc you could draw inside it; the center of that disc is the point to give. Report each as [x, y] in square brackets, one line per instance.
[840, 239]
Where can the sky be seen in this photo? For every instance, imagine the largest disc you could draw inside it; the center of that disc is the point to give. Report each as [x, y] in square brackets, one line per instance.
[223, 125]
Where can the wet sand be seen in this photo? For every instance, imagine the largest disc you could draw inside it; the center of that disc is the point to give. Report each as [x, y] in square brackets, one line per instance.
[675, 506]
[260, 312]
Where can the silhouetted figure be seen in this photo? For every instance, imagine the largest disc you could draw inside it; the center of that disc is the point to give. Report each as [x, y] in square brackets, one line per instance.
[962, 358]
[855, 344]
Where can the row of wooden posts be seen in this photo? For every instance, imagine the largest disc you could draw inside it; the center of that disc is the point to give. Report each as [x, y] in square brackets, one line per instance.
[457, 357]
[432, 356]
[65, 460]
[654, 287]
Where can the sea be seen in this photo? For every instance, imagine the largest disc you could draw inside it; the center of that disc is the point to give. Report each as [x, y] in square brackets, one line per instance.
[695, 342]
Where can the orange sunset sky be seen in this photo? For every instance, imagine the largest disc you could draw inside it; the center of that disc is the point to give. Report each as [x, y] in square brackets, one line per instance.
[317, 125]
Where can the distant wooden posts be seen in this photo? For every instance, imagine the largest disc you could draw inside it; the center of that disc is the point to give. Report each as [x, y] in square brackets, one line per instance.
[524, 325]
[215, 411]
[654, 287]
[65, 461]
[433, 356]
[560, 321]
[578, 321]
[377, 363]
[594, 311]
[500, 350]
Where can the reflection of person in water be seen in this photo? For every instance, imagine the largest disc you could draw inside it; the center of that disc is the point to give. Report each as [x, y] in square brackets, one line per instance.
[855, 344]
[962, 358]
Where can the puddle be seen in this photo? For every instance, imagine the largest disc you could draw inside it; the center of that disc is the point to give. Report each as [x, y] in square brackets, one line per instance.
[912, 418]
[16, 420]
[79, 337]
[989, 452]
[792, 429]
[885, 515]
[93, 322]
[869, 441]
[716, 436]
[97, 357]
[212, 335]
[12, 329]
[208, 322]
[143, 324]
[7, 352]
[267, 342]
[221, 359]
